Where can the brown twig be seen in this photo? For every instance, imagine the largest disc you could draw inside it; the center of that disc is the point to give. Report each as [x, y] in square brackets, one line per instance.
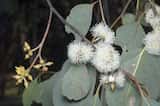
[102, 12]
[143, 92]
[40, 46]
[122, 13]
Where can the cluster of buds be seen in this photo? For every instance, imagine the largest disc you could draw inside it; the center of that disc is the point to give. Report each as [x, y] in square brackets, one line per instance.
[22, 76]
[43, 65]
[27, 49]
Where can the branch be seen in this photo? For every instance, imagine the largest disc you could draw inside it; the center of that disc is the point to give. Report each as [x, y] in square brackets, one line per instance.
[122, 13]
[40, 46]
[143, 92]
[102, 11]
[66, 23]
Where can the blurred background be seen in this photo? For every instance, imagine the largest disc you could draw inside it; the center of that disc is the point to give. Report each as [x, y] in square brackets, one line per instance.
[26, 20]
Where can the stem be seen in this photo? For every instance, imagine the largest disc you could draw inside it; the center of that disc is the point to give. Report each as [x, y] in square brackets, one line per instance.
[122, 13]
[137, 6]
[133, 79]
[40, 46]
[33, 62]
[140, 17]
[97, 94]
[139, 60]
[46, 33]
[102, 12]
[137, 65]
[95, 2]
[136, 68]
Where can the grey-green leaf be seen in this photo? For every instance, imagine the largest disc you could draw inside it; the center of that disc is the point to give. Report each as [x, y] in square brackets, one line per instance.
[121, 97]
[80, 17]
[128, 18]
[48, 85]
[42, 92]
[76, 84]
[59, 100]
[31, 93]
[131, 35]
[149, 74]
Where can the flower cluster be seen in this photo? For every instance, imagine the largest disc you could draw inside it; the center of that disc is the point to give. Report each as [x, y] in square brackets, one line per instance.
[22, 76]
[152, 39]
[103, 56]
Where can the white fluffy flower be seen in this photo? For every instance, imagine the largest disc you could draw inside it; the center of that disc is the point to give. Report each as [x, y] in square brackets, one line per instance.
[155, 23]
[79, 52]
[153, 19]
[103, 32]
[106, 58]
[152, 43]
[149, 17]
[157, 9]
[120, 79]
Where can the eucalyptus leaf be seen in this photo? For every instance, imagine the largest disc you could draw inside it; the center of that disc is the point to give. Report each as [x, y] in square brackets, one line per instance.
[128, 97]
[31, 93]
[131, 35]
[149, 74]
[80, 17]
[46, 88]
[76, 84]
[41, 92]
[48, 85]
[59, 100]
[128, 18]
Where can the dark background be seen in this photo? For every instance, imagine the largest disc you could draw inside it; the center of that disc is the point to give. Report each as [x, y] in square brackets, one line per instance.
[26, 20]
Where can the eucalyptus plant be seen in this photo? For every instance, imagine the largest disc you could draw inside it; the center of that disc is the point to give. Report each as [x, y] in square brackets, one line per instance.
[127, 79]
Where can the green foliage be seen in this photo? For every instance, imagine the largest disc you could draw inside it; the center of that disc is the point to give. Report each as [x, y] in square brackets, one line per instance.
[31, 93]
[75, 84]
[80, 17]
[121, 97]
[149, 74]
[131, 35]
[41, 92]
[59, 100]
[48, 85]
[128, 18]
